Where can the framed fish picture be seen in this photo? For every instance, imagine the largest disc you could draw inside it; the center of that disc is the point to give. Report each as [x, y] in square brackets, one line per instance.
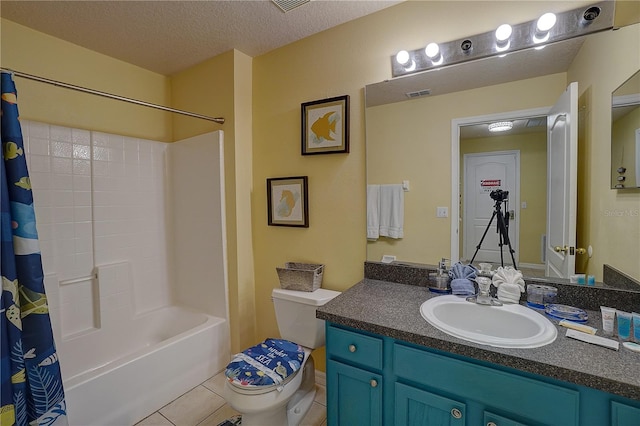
[287, 201]
[325, 126]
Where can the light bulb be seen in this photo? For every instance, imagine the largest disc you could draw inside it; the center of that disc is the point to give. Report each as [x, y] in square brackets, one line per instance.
[432, 50]
[503, 32]
[402, 57]
[546, 22]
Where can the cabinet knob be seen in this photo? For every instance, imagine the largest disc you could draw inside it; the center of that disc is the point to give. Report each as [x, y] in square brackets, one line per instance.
[457, 414]
[373, 383]
[491, 424]
[352, 348]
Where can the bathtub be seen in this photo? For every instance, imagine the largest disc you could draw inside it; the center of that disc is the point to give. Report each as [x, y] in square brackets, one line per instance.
[120, 375]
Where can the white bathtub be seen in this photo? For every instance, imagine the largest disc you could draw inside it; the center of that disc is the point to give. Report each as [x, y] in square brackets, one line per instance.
[121, 375]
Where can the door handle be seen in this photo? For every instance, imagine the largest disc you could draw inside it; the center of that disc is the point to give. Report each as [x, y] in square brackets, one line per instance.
[580, 250]
[512, 214]
[560, 249]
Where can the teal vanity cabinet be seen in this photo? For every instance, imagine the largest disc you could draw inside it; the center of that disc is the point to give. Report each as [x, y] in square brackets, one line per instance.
[377, 380]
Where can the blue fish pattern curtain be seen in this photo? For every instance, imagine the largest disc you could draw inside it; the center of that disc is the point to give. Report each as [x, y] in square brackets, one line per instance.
[32, 391]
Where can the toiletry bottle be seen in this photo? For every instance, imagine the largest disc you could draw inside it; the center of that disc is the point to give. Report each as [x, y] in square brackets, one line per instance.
[608, 315]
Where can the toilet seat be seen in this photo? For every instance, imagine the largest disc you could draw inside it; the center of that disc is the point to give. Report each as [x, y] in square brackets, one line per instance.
[266, 366]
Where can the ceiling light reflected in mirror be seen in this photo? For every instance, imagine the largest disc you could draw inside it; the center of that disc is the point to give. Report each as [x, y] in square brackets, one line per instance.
[500, 126]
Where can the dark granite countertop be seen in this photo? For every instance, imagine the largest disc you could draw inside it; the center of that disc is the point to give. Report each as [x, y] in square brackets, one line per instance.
[393, 310]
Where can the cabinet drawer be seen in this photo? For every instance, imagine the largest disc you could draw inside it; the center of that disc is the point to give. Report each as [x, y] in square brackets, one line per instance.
[532, 399]
[354, 347]
[491, 419]
[418, 407]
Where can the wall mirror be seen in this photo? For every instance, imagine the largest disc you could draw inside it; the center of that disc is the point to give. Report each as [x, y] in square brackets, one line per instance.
[625, 134]
[408, 135]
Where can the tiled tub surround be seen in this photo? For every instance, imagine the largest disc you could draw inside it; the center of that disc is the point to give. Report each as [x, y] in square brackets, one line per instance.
[392, 309]
[110, 237]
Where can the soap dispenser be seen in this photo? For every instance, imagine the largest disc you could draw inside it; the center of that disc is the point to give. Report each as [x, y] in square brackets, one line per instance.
[440, 283]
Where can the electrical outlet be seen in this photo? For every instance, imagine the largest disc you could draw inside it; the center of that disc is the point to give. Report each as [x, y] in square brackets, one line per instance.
[442, 212]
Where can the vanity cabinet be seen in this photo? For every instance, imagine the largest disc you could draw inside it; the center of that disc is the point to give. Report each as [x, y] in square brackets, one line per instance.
[373, 380]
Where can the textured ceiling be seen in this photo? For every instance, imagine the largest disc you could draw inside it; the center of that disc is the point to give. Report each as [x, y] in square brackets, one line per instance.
[170, 36]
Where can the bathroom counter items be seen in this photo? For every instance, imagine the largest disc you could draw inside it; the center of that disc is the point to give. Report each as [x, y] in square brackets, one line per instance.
[393, 310]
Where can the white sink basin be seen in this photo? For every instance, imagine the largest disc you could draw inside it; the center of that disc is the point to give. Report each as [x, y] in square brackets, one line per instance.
[507, 326]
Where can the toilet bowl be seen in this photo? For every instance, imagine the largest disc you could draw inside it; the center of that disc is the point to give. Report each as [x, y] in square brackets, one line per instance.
[273, 383]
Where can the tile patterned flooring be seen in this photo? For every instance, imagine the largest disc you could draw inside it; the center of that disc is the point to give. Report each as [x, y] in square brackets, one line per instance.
[204, 406]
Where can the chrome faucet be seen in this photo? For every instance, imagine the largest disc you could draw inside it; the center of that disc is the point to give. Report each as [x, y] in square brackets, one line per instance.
[442, 267]
[484, 297]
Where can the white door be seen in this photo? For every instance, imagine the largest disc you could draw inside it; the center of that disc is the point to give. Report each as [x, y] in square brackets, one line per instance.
[483, 174]
[562, 154]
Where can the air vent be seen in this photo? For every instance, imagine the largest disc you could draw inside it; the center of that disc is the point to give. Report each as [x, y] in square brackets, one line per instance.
[418, 93]
[288, 5]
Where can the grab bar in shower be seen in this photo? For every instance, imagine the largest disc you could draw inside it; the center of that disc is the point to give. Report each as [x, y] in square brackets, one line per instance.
[78, 280]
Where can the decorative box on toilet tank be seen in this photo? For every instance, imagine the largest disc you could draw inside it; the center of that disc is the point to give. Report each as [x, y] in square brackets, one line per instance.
[300, 276]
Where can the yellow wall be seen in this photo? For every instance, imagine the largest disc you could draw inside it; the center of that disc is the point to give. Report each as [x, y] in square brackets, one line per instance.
[608, 219]
[533, 185]
[419, 132]
[32, 52]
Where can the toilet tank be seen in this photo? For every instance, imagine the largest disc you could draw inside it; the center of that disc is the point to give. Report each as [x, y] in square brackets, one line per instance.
[296, 315]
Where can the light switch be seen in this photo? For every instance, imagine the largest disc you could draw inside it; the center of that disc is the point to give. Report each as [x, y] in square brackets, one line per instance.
[442, 212]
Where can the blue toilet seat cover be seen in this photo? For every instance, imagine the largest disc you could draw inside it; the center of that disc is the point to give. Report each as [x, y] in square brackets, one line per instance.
[266, 364]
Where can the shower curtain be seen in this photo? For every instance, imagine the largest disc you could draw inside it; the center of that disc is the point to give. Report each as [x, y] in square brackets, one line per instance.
[31, 386]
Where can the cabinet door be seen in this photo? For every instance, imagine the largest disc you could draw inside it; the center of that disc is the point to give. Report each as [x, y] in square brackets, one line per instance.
[624, 415]
[354, 396]
[491, 419]
[416, 407]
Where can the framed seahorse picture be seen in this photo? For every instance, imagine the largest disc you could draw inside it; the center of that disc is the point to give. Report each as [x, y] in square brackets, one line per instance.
[287, 201]
[325, 126]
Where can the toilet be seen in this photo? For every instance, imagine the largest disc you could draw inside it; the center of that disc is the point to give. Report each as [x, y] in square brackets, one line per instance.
[273, 382]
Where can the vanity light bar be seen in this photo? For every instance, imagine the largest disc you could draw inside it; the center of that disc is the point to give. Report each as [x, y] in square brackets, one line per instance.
[574, 23]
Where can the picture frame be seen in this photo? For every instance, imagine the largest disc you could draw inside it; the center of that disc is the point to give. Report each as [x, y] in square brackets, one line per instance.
[288, 201]
[325, 126]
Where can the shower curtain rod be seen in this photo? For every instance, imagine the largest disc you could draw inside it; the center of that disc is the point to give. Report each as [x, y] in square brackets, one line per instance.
[219, 120]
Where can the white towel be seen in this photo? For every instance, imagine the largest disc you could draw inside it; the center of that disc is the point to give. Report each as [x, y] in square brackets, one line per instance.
[391, 211]
[510, 284]
[373, 212]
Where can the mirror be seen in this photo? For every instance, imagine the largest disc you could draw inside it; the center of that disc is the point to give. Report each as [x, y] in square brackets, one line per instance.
[409, 123]
[625, 134]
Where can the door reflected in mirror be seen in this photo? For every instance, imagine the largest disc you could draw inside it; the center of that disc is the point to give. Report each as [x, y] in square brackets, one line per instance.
[625, 134]
[513, 161]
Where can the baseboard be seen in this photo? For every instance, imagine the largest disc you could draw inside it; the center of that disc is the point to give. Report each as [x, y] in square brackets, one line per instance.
[321, 378]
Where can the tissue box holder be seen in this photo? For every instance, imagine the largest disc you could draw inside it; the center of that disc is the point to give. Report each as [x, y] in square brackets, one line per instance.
[300, 276]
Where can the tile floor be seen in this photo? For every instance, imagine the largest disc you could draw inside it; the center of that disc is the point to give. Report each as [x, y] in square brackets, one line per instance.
[204, 406]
